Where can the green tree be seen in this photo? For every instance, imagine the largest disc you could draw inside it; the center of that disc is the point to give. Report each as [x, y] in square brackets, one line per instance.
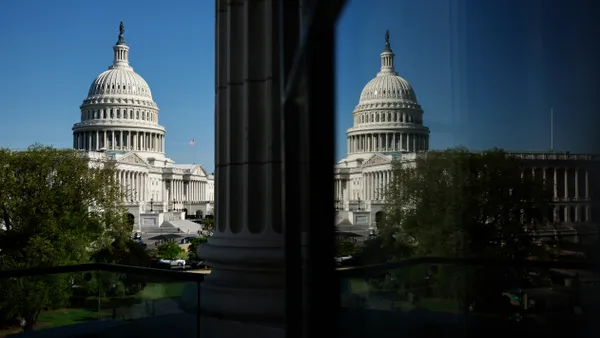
[208, 222]
[464, 204]
[193, 248]
[346, 247]
[169, 250]
[123, 251]
[54, 210]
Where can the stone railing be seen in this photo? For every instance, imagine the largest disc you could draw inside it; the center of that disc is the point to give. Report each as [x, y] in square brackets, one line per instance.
[557, 156]
[124, 123]
[388, 125]
[175, 170]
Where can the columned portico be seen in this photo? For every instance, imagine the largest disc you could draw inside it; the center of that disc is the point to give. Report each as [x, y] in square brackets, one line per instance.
[246, 251]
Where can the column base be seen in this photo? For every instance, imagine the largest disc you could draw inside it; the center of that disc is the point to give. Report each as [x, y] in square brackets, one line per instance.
[247, 280]
[211, 327]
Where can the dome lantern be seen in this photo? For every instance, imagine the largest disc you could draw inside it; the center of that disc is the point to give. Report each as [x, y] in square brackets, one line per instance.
[121, 50]
[387, 57]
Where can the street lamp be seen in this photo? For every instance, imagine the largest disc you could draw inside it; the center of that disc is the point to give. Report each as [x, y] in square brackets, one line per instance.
[152, 205]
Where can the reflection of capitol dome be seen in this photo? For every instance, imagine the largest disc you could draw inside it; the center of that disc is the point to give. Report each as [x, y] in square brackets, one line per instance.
[388, 86]
[119, 113]
[388, 117]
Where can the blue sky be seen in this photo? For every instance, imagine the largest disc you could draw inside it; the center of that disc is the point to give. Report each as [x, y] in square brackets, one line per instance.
[485, 72]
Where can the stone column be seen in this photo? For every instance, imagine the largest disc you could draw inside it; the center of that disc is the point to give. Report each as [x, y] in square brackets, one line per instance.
[576, 183]
[246, 251]
[368, 186]
[587, 186]
[566, 183]
[555, 182]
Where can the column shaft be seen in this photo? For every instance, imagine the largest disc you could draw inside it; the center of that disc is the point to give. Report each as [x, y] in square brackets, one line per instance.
[246, 250]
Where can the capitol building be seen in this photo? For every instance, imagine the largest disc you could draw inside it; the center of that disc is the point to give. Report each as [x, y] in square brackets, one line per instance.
[388, 127]
[119, 124]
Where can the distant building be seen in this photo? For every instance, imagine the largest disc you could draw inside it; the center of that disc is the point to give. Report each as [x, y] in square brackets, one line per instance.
[119, 122]
[388, 126]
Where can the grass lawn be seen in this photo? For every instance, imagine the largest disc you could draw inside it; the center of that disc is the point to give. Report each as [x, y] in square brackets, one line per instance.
[152, 291]
[438, 304]
[359, 286]
[63, 317]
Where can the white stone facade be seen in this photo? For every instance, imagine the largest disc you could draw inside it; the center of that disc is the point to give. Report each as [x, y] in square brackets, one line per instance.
[119, 123]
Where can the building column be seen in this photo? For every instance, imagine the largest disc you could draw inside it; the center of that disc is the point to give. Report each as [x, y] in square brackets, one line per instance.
[368, 186]
[140, 184]
[555, 182]
[371, 186]
[142, 187]
[191, 190]
[566, 183]
[587, 186]
[175, 189]
[246, 253]
[576, 183]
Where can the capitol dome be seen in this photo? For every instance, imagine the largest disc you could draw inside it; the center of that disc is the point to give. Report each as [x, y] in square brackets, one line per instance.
[119, 113]
[388, 86]
[388, 117]
[120, 81]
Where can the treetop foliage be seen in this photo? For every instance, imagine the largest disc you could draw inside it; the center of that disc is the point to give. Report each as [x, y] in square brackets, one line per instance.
[55, 209]
[461, 203]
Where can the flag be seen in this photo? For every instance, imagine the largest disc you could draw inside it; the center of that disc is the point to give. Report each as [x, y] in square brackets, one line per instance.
[192, 142]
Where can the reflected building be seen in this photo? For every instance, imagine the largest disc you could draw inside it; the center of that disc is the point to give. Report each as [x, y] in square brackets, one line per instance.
[388, 127]
[119, 123]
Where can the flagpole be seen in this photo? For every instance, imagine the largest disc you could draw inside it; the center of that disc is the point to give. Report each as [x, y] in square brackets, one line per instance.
[195, 154]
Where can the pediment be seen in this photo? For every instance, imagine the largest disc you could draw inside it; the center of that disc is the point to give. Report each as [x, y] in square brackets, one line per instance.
[377, 160]
[199, 170]
[132, 159]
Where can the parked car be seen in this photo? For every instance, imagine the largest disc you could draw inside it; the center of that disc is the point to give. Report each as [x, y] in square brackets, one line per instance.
[173, 262]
